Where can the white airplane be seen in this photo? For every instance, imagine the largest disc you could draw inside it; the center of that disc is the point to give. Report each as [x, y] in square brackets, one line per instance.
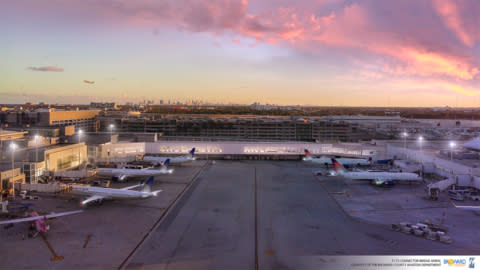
[173, 160]
[121, 175]
[40, 222]
[380, 178]
[98, 194]
[328, 161]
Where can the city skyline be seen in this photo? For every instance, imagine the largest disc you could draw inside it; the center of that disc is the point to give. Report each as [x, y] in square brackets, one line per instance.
[325, 53]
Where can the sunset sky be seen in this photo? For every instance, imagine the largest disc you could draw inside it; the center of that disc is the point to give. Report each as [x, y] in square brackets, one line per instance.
[317, 52]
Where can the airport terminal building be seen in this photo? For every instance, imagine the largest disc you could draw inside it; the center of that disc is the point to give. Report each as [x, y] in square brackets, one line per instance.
[233, 149]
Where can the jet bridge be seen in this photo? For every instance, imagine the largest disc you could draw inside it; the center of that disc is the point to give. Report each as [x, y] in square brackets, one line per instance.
[434, 189]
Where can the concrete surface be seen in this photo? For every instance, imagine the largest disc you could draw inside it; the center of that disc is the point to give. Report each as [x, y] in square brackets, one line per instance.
[294, 219]
[408, 203]
[115, 227]
[297, 219]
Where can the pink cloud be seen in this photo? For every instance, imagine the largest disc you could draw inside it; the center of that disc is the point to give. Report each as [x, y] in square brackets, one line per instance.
[407, 38]
[461, 89]
[353, 30]
[424, 63]
[54, 69]
[449, 11]
[347, 29]
[272, 41]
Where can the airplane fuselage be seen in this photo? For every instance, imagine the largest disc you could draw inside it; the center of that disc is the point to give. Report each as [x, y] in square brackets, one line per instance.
[110, 193]
[131, 172]
[173, 160]
[344, 161]
[381, 175]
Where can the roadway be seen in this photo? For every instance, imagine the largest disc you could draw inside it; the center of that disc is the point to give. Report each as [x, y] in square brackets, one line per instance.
[263, 215]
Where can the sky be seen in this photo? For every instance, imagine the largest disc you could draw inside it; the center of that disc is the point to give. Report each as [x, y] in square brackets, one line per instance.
[306, 52]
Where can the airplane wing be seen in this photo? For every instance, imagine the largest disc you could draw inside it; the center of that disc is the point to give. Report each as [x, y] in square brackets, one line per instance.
[131, 187]
[40, 217]
[92, 199]
[466, 207]
[18, 220]
[63, 214]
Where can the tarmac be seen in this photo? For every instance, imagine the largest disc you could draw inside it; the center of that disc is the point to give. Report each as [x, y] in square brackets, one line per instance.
[239, 215]
[113, 229]
[267, 215]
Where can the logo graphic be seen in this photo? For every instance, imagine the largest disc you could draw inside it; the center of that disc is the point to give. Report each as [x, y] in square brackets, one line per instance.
[458, 262]
[471, 262]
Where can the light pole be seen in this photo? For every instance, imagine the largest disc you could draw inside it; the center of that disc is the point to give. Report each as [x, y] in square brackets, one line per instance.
[405, 135]
[452, 146]
[13, 146]
[36, 156]
[36, 147]
[79, 157]
[420, 141]
[111, 130]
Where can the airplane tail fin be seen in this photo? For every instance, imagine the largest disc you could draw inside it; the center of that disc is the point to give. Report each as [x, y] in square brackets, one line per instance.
[337, 166]
[307, 153]
[192, 152]
[166, 163]
[147, 186]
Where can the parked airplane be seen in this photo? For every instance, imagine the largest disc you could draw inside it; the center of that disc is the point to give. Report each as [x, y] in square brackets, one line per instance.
[173, 160]
[40, 222]
[328, 161]
[98, 194]
[380, 178]
[121, 175]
